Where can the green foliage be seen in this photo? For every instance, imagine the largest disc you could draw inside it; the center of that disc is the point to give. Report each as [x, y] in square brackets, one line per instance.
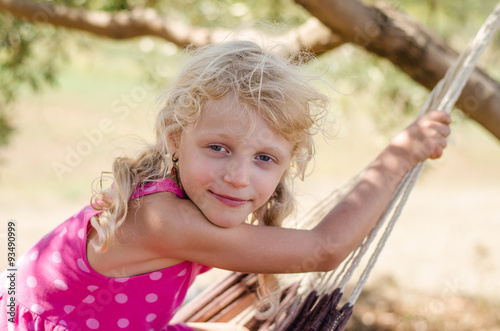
[232, 13]
[28, 59]
[381, 89]
[32, 55]
[449, 18]
[373, 85]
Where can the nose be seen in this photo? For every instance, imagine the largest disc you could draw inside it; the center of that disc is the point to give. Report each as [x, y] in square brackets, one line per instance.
[237, 173]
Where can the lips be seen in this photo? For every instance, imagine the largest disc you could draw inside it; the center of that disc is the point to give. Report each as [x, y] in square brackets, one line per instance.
[228, 200]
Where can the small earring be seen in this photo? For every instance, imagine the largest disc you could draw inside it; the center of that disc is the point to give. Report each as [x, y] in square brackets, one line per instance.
[174, 164]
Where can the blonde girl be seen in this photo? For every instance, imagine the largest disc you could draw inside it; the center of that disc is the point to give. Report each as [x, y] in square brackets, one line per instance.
[235, 129]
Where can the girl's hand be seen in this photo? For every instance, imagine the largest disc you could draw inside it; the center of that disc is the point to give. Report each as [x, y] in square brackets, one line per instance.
[424, 138]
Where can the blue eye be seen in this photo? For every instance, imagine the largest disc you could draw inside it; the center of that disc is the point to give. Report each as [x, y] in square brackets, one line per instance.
[264, 158]
[217, 148]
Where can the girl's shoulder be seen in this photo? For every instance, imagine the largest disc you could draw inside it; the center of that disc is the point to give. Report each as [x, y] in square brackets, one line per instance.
[135, 247]
[165, 216]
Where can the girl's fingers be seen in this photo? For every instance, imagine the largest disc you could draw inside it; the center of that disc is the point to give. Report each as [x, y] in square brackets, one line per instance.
[440, 116]
[425, 137]
[438, 151]
[446, 131]
[437, 146]
[443, 142]
[442, 130]
[434, 128]
[438, 122]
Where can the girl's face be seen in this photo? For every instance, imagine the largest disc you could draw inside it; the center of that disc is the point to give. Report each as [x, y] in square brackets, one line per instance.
[230, 162]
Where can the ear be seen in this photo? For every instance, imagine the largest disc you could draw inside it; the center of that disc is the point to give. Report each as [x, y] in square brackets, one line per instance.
[174, 141]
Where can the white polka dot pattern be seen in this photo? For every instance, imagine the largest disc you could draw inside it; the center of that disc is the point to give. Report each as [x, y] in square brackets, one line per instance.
[36, 308]
[92, 288]
[63, 232]
[31, 281]
[89, 299]
[82, 265]
[34, 256]
[151, 297]
[59, 282]
[123, 323]
[56, 257]
[68, 309]
[121, 298]
[92, 323]
[155, 275]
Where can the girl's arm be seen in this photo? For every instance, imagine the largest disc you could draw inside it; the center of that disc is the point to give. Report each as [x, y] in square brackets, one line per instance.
[351, 220]
[177, 229]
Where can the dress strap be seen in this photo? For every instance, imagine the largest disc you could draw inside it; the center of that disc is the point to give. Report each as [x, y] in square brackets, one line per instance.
[163, 185]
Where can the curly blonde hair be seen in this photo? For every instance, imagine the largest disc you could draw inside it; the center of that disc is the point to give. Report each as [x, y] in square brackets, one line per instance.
[270, 84]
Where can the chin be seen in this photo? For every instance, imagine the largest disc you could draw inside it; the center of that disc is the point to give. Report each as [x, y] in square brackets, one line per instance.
[224, 223]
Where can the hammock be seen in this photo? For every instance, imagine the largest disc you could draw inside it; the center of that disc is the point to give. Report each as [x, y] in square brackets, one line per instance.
[312, 301]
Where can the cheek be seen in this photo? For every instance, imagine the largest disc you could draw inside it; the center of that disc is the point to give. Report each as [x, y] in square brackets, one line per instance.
[195, 174]
[266, 185]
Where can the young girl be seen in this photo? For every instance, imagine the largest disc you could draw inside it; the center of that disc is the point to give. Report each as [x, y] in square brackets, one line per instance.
[235, 128]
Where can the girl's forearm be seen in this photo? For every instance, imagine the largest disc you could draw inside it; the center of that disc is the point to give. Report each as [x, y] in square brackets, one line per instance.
[346, 225]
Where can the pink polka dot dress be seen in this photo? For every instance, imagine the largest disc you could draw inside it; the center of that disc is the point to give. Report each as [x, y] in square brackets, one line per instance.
[58, 290]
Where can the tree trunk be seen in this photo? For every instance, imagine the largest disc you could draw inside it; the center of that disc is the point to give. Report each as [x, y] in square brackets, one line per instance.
[379, 29]
[410, 46]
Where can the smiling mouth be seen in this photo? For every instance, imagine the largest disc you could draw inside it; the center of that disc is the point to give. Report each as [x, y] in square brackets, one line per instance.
[229, 201]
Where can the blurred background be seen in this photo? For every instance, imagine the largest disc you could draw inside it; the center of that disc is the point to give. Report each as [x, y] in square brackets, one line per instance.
[74, 101]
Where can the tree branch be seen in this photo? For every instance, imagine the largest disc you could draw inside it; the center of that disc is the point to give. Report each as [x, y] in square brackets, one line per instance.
[410, 46]
[312, 35]
[379, 29]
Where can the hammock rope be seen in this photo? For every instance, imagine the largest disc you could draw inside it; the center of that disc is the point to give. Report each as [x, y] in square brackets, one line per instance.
[312, 301]
[443, 97]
